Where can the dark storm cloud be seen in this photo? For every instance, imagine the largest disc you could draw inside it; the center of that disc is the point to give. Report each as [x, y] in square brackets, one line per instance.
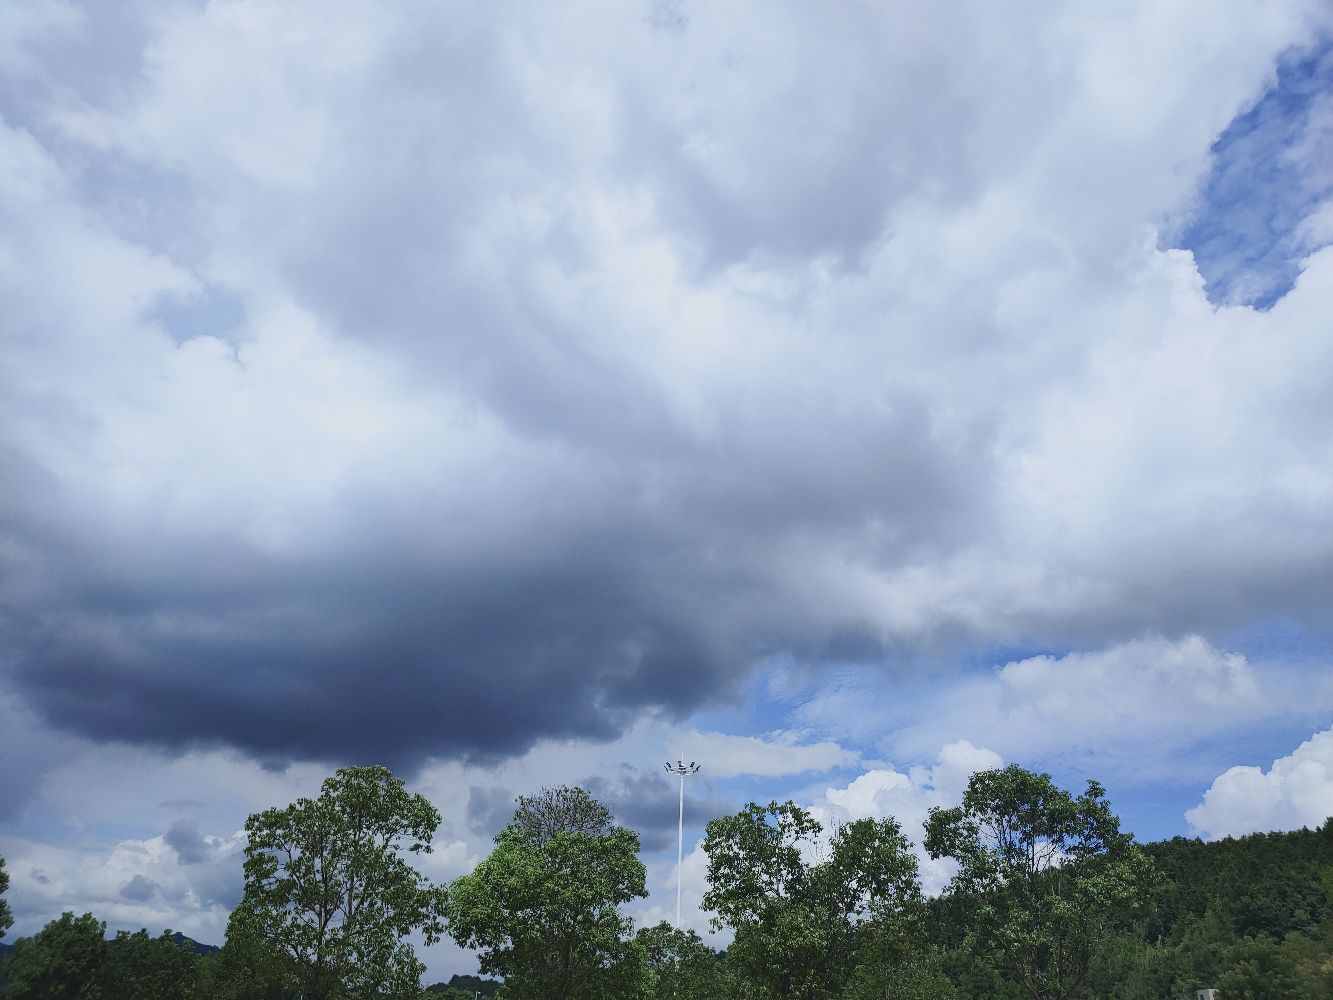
[139, 889]
[373, 656]
[649, 804]
[489, 809]
[185, 840]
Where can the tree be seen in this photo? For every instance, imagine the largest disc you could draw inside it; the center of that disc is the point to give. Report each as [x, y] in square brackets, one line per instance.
[463, 987]
[541, 910]
[442, 992]
[898, 960]
[245, 968]
[682, 967]
[65, 960]
[327, 885]
[1259, 971]
[148, 968]
[1046, 876]
[799, 924]
[6, 915]
[563, 809]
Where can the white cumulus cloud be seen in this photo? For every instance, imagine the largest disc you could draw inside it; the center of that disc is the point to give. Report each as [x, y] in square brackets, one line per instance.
[1296, 791]
[1115, 708]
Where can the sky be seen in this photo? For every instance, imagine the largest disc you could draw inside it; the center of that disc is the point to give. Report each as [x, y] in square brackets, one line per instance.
[848, 397]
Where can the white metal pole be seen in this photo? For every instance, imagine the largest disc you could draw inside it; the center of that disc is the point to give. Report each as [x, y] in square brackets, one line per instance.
[681, 771]
[680, 847]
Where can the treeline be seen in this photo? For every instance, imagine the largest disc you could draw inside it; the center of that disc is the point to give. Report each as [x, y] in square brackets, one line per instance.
[1050, 901]
[1251, 916]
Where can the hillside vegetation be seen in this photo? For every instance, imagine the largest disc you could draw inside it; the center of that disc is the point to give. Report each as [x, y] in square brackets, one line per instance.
[1050, 901]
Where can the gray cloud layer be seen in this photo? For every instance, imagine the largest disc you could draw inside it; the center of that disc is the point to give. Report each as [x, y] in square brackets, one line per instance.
[382, 384]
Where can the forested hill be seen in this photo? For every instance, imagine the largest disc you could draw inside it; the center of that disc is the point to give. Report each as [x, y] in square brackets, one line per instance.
[1266, 883]
[1251, 916]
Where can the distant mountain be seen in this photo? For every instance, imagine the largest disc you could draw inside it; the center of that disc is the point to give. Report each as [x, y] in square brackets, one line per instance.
[178, 937]
[469, 986]
[195, 946]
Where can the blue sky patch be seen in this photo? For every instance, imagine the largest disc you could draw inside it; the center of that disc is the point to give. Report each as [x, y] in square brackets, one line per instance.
[1271, 171]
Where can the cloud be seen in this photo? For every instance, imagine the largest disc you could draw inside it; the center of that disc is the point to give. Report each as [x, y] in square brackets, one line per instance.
[648, 802]
[31, 749]
[137, 883]
[447, 385]
[1296, 791]
[661, 905]
[727, 755]
[185, 840]
[462, 392]
[1137, 709]
[908, 796]
[139, 889]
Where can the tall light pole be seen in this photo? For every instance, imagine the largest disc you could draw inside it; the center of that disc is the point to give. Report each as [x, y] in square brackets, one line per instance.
[681, 769]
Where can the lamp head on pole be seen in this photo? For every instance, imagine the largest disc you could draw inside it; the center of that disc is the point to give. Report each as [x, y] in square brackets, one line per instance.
[681, 768]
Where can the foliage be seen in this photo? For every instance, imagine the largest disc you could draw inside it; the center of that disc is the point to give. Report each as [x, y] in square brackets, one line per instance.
[1048, 876]
[246, 967]
[70, 957]
[541, 910]
[465, 987]
[1211, 901]
[1256, 971]
[150, 968]
[896, 962]
[6, 915]
[560, 809]
[682, 967]
[798, 923]
[65, 960]
[327, 884]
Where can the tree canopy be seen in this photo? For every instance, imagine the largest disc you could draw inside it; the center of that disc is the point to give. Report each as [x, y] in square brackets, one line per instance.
[562, 809]
[542, 909]
[65, 960]
[1048, 876]
[328, 886]
[799, 922]
[6, 916]
[681, 966]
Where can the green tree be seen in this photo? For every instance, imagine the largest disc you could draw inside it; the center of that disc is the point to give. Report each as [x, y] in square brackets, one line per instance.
[6, 915]
[682, 967]
[1258, 970]
[465, 986]
[148, 968]
[898, 961]
[327, 884]
[541, 910]
[799, 924]
[560, 809]
[245, 968]
[1047, 876]
[65, 960]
